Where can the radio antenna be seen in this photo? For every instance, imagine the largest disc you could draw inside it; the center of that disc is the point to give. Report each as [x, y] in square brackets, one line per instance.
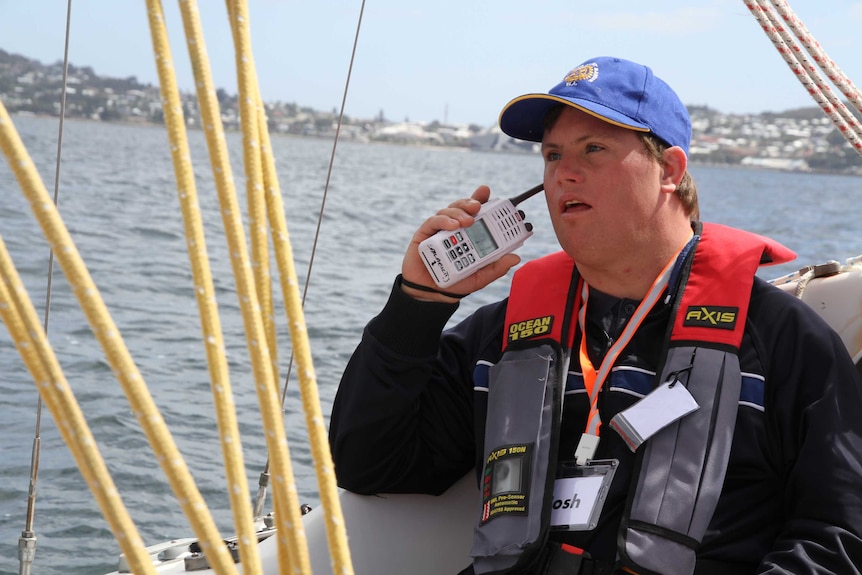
[528, 194]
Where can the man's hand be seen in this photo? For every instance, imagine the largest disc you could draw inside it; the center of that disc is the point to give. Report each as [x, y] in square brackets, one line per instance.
[459, 214]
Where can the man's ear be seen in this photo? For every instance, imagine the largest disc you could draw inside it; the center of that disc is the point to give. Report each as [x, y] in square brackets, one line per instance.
[674, 164]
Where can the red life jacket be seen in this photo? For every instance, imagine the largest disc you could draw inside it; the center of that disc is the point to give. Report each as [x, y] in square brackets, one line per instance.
[710, 310]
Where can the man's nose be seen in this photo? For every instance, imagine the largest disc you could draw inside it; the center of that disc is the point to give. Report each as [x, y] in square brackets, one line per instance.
[569, 170]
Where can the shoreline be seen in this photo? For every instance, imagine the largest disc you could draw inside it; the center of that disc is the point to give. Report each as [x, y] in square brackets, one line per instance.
[143, 123]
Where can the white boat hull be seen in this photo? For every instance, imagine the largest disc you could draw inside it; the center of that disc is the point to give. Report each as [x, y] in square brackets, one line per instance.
[835, 293]
[387, 534]
[397, 534]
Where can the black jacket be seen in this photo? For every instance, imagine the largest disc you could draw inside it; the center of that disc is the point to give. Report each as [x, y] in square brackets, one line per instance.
[410, 411]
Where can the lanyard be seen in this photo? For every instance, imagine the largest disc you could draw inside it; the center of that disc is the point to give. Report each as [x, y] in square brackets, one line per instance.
[593, 379]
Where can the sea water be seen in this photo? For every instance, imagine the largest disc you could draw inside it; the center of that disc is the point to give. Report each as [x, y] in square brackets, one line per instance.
[118, 197]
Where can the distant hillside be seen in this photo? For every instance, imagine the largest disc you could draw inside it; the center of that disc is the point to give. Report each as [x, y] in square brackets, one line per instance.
[28, 85]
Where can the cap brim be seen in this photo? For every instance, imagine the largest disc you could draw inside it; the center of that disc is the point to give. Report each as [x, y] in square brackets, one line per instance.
[524, 117]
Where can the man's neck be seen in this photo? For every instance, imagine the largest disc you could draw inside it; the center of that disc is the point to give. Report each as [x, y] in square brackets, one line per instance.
[633, 276]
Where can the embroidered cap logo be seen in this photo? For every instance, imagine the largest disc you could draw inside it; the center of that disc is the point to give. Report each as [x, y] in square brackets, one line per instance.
[585, 72]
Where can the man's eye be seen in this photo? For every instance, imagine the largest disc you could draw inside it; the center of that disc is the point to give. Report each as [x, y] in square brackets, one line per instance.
[593, 148]
[552, 156]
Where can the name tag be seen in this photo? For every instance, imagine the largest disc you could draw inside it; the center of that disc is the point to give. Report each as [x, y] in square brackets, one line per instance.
[579, 494]
[664, 405]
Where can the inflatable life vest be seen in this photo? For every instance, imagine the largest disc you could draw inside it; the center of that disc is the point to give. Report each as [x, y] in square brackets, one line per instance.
[665, 519]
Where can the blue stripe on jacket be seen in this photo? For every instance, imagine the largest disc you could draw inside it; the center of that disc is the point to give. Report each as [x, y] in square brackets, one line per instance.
[636, 382]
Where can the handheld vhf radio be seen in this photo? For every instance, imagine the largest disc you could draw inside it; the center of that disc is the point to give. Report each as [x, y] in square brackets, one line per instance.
[498, 229]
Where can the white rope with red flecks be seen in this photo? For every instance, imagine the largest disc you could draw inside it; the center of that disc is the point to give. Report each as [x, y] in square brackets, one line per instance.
[778, 21]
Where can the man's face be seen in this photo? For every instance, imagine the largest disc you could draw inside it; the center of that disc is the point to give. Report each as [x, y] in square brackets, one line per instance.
[602, 188]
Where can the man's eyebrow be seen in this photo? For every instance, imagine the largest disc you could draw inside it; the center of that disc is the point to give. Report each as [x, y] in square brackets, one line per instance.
[579, 139]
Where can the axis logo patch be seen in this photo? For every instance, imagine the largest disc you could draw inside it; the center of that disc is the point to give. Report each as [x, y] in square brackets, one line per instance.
[714, 316]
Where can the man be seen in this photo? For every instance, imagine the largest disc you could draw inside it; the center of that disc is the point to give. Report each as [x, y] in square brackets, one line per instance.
[752, 461]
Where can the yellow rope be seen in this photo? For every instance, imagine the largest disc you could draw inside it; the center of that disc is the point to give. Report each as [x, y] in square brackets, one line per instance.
[293, 552]
[257, 230]
[229, 434]
[25, 329]
[260, 251]
[325, 470]
[260, 167]
[335, 527]
[258, 234]
[125, 370]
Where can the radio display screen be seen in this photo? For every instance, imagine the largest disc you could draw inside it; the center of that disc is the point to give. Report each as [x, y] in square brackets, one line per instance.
[481, 237]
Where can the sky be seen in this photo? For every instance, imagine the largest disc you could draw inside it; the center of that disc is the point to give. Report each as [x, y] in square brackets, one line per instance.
[454, 61]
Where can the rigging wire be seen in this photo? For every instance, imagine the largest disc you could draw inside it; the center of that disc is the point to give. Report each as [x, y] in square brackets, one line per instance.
[847, 87]
[27, 541]
[332, 158]
[765, 13]
[263, 481]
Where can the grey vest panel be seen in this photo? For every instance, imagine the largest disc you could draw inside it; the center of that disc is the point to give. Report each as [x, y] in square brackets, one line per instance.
[683, 466]
[524, 403]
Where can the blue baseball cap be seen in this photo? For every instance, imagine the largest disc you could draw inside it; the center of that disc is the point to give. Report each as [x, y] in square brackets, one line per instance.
[612, 89]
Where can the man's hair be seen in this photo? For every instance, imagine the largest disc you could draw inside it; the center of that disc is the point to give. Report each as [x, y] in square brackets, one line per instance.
[655, 147]
[687, 189]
